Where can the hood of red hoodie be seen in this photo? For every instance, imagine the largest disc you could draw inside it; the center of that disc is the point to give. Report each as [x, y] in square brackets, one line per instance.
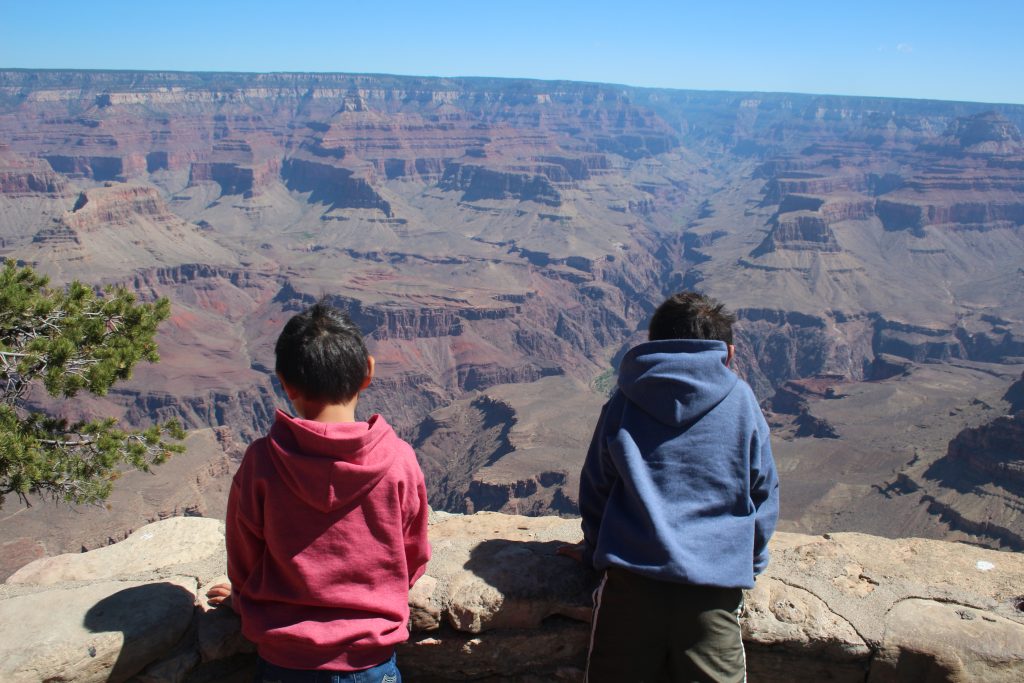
[328, 465]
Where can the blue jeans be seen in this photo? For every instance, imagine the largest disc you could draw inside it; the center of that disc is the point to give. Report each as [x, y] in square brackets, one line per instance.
[382, 673]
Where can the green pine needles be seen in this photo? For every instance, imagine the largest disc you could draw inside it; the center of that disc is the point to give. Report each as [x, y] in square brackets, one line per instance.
[66, 341]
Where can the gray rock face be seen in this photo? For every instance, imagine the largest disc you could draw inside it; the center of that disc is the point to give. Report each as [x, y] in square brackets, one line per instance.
[927, 640]
[494, 571]
[556, 652]
[497, 604]
[862, 578]
[785, 626]
[108, 614]
[845, 606]
[496, 600]
[104, 631]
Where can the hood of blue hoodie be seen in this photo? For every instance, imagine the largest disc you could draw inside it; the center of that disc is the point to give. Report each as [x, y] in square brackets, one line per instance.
[677, 381]
[328, 465]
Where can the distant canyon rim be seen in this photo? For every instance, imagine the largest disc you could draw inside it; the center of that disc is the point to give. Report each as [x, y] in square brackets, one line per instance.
[502, 242]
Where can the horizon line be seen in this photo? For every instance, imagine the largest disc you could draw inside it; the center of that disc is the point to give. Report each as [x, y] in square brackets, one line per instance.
[499, 78]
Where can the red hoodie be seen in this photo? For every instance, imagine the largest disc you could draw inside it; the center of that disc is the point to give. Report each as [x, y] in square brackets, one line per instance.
[326, 533]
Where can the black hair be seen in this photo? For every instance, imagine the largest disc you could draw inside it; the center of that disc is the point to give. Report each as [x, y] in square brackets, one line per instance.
[688, 315]
[321, 354]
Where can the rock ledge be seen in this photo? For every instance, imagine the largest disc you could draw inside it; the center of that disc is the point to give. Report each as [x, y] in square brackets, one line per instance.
[497, 604]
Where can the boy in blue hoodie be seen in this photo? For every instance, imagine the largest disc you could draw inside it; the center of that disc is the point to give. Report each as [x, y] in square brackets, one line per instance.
[678, 496]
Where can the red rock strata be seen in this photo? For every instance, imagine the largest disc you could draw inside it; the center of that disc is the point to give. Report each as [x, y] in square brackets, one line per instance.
[491, 234]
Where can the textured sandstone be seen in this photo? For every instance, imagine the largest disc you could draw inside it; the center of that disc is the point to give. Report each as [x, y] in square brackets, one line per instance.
[555, 652]
[927, 640]
[103, 631]
[493, 571]
[497, 604]
[777, 614]
[178, 540]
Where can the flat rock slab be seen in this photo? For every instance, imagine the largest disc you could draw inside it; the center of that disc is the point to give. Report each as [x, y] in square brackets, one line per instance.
[167, 543]
[778, 615]
[933, 641]
[792, 635]
[497, 603]
[861, 578]
[104, 631]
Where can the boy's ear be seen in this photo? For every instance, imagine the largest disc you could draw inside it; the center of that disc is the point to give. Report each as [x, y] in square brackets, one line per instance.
[291, 393]
[732, 352]
[370, 365]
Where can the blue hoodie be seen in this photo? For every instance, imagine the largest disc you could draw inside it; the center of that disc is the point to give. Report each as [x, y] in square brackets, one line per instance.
[679, 483]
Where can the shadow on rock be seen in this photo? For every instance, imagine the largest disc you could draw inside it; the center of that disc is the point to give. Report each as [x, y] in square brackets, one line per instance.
[151, 618]
[533, 582]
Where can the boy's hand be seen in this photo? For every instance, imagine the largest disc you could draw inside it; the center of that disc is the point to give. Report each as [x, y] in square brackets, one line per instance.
[219, 594]
[575, 551]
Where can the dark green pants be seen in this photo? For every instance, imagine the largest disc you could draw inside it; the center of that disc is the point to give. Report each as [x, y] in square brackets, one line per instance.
[648, 631]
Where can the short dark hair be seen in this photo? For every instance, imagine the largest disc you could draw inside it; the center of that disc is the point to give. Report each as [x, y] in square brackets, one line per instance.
[688, 315]
[321, 354]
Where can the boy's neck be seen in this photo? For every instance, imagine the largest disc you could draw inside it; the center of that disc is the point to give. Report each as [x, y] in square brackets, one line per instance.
[316, 411]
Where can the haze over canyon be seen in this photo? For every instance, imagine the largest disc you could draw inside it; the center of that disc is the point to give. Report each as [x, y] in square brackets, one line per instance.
[503, 242]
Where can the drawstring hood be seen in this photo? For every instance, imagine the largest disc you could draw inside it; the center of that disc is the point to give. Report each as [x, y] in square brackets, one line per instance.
[677, 381]
[329, 465]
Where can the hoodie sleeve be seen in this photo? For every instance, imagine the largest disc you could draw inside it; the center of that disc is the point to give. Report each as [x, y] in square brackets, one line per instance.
[415, 516]
[596, 481]
[243, 527]
[764, 491]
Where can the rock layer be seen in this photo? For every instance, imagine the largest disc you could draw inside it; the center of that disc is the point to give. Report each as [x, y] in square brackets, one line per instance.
[490, 233]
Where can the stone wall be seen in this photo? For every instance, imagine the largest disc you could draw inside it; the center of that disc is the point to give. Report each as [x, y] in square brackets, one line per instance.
[497, 604]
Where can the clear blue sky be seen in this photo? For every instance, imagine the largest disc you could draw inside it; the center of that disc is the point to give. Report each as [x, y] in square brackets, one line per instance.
[962, 50]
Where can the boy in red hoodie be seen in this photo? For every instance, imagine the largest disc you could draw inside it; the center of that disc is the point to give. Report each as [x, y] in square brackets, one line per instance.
[327, 519]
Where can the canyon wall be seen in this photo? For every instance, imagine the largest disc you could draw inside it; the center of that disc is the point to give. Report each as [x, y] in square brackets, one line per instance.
[501, 243]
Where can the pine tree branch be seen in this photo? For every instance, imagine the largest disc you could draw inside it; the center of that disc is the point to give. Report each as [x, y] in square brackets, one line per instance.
[69, 340]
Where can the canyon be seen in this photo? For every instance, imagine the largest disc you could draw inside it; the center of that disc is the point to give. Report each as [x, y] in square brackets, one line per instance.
[501, 243]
